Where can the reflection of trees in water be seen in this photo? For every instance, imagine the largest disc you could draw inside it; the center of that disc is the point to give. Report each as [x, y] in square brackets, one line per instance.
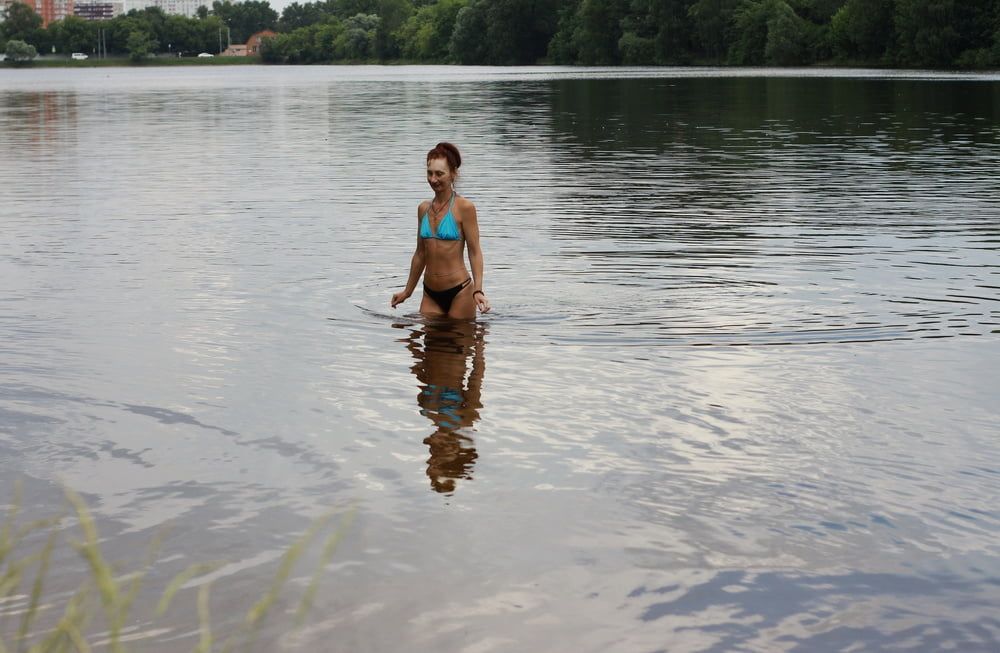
[713, 159]
[449, 364]
[646, 170]
[658, 114]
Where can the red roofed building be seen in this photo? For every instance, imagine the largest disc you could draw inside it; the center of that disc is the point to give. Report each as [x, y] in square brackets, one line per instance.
[253, 43]
[252, 46]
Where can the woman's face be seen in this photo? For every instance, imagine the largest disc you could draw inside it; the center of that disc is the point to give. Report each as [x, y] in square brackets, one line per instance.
[439, 175]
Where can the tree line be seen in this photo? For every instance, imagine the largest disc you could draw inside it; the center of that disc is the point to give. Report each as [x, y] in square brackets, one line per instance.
[906, 33]
[141, 32]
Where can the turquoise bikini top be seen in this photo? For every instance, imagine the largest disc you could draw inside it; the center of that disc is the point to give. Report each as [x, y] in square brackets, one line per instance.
[447, 229]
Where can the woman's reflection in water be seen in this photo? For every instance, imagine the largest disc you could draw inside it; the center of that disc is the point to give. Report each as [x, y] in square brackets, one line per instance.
[449, 394]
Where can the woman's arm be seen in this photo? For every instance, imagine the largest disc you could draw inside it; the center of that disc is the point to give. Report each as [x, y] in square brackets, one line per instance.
[417, 264]
[470, 225]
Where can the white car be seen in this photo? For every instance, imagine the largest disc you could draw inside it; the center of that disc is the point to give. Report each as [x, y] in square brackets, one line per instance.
[78, 56]
[205, 55]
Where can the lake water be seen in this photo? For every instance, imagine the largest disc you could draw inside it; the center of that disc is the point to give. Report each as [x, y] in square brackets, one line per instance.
[738, 391]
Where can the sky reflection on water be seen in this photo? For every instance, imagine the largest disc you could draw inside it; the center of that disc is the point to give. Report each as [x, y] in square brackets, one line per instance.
[741, 381]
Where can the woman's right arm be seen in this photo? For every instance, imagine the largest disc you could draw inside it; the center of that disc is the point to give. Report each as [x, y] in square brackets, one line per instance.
[417, 264]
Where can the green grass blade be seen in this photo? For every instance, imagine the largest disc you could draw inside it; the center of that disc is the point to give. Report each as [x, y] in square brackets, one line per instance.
[327, 554]
[136, 582]
[204, 621]
[107, 586]
[6, 541]
[36, 589]
[74, 618]
[76, 638]
[261, 608]
[179, 580]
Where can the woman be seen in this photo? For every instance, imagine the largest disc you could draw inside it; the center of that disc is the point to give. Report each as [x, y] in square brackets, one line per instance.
[445, 225]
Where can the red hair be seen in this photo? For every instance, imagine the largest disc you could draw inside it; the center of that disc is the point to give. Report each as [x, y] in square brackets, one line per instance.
[449, 153]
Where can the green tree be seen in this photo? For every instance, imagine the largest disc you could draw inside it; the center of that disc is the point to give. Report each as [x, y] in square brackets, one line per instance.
[863, 29]
[140, 45]
[519, 31]
[285, 47]
[981, 23]
[749, 29]
[768, 31]
[151, 20]
[427, 33]
[295, 16]
[711, 20]
[357, 39]
[393, 14]
[208, 32]
[245, 18]
[119, 30]
[309, 44]
[562, 46]
[18, 52]
[670, 23]
[936, 32]
[21, 23]
[344, 9]
[503, 31]
[636, 50]
[787, 37]
[467, 44]
[818, 12]
[926, 32]
[598, 31]
[73, 34]
[181, 34]
[325, 39]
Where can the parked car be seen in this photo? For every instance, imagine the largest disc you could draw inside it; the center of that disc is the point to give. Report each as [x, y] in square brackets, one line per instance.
[78, 56]
[206, 54]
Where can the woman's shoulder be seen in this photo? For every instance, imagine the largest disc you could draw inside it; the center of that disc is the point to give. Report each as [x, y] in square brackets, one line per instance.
[464, 203]
[423, 207]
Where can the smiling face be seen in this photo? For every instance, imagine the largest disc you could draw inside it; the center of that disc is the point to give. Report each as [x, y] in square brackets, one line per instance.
[439, 175]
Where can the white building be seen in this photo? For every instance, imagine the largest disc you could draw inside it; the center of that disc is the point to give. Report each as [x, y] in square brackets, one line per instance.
[170, 7]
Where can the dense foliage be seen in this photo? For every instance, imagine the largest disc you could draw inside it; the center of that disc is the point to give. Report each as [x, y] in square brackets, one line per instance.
[941, 33]
[945, 33]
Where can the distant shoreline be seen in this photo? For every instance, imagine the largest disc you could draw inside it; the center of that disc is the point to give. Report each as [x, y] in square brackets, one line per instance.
[218, 60]
[125, 61]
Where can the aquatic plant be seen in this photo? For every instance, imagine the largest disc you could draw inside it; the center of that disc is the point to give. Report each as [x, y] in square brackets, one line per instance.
[110, 594]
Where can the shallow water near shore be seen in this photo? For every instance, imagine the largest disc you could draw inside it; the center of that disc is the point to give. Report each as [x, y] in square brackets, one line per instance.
[738, 390]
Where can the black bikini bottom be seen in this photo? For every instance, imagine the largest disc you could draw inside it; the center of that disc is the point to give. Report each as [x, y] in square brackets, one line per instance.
[444, 298]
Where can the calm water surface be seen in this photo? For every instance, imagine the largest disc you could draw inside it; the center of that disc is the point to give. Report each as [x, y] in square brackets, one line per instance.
[738, 392]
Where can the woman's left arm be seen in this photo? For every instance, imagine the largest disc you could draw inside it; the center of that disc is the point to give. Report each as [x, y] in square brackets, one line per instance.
[470, 225]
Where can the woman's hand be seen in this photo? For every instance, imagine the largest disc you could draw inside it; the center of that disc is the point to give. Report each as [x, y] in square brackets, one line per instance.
[482, 302]
[399, 298]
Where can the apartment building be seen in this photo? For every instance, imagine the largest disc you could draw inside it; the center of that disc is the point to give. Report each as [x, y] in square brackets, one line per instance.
[187, 8]
[96, 10]
[51, 10]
